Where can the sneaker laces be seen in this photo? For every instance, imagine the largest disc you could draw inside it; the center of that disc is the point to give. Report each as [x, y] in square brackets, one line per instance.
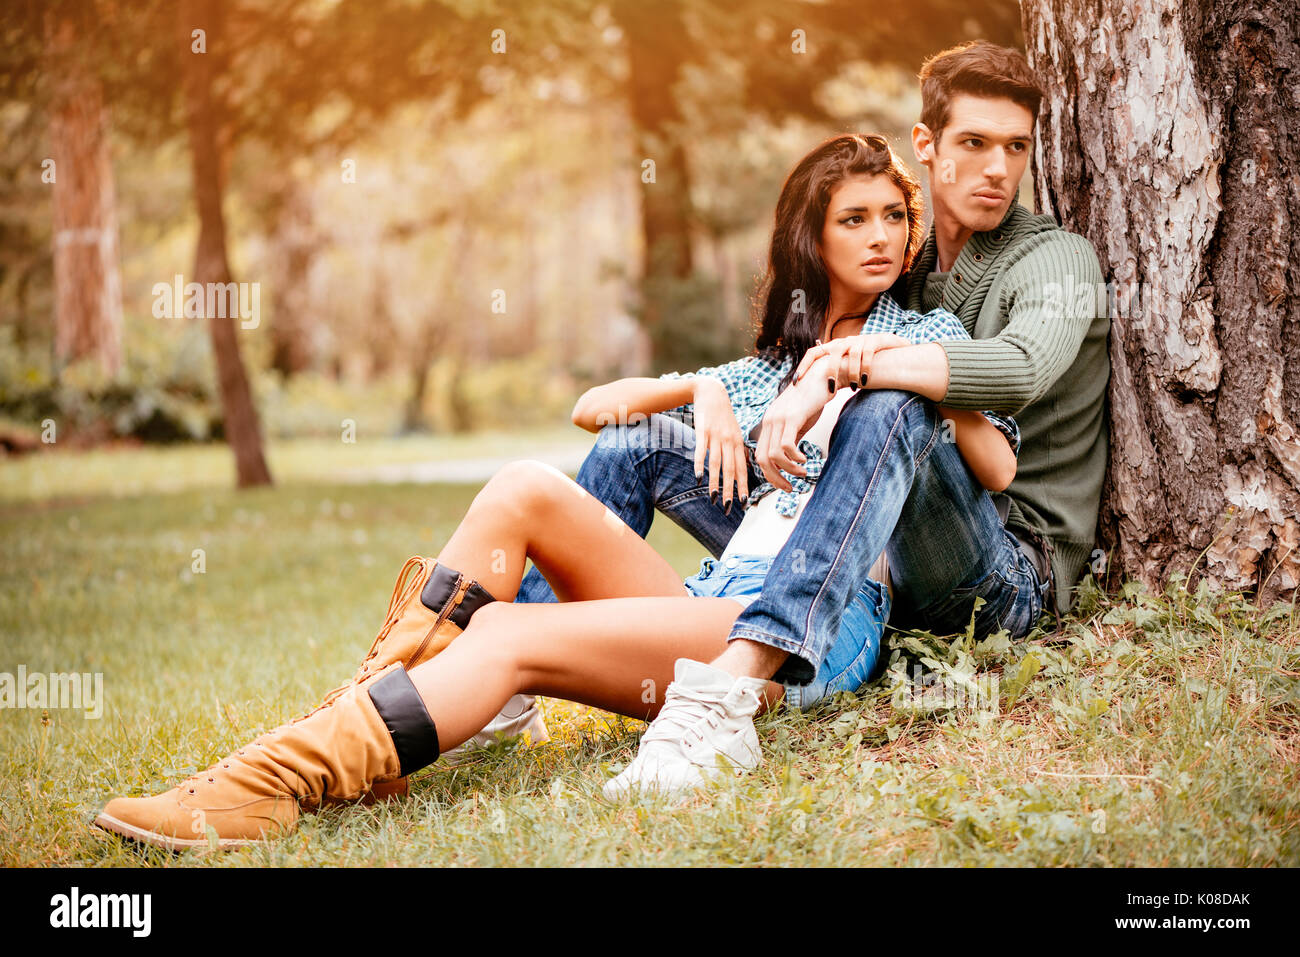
[683, 708]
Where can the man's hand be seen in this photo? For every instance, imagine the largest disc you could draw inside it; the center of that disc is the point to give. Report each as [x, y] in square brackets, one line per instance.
[850, 357]
[790, 415]
[717, 434]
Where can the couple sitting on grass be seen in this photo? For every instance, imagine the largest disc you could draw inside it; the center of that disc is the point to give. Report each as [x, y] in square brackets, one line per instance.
[861, 466]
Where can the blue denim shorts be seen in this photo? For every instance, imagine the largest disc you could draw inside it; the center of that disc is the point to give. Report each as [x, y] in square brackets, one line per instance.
[854, 658]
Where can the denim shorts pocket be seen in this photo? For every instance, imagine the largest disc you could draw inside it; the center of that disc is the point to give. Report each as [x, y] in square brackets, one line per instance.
[855, 657]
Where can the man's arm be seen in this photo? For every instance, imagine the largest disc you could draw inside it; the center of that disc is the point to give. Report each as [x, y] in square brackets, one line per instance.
[1054, 298]
[922, 369]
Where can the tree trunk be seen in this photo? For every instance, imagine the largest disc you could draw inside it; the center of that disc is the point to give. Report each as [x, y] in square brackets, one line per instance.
[413, 419]
[210, 263]
[1169, 137]
[296, 243]
[87, 284]
[656, 47]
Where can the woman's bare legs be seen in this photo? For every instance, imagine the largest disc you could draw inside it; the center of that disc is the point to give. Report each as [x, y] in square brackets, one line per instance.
[530, 510]
[616, 654]
[624, 620]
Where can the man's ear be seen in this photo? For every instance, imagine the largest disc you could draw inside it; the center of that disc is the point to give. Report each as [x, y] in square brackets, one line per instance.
[923, 144]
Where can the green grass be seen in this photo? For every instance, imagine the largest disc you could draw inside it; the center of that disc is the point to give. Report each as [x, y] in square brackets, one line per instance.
[124, 470]
[1153, 730]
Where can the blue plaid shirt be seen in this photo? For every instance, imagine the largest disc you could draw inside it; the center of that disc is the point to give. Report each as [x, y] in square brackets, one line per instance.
[752, 384]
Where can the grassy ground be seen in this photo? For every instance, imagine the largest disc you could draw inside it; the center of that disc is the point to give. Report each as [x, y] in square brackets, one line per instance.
[1152, 730]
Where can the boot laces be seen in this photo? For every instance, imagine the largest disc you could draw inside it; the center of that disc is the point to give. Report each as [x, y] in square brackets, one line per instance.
[403, 591]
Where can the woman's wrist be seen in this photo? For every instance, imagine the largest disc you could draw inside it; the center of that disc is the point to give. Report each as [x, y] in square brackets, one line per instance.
[706, 385]
[819, 377]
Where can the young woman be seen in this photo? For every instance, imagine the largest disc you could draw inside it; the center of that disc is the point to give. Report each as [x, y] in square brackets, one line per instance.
[847, 226]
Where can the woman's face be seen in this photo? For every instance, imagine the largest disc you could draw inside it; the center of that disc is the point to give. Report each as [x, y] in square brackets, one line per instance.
[864, 239]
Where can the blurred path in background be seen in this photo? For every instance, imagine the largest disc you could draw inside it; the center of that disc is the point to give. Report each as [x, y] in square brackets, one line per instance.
[565, 456]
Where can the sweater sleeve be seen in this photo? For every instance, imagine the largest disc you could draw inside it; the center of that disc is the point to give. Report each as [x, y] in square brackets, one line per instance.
[1052, 295]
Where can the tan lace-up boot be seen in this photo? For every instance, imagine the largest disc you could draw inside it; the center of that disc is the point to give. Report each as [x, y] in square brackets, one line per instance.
[375, 731]
[428, 609]
[431, 604]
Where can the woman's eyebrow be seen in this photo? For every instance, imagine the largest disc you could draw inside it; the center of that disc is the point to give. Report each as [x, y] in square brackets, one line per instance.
[867, 209]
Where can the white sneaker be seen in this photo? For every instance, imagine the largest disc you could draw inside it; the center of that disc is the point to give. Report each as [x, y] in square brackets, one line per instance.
[707, 715]
[519, 715]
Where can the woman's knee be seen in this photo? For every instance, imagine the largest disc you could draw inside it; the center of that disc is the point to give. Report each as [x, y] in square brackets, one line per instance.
[523, 486]
[491, 633]
[875, 403]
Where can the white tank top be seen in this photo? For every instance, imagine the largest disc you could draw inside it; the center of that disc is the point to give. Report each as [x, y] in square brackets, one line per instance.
[764, 530]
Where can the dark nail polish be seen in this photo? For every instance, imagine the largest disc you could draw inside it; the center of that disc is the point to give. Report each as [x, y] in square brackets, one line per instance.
[713, 497]
[853, 386]
[830, 384]
[863, 380]
[727, 510]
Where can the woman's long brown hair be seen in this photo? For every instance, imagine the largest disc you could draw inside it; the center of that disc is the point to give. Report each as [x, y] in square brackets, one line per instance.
[794, 261]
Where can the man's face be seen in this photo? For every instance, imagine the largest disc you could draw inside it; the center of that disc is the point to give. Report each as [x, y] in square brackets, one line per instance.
[978, 159]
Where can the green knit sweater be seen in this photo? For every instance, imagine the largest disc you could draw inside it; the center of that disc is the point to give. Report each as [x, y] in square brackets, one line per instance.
[1028, 293]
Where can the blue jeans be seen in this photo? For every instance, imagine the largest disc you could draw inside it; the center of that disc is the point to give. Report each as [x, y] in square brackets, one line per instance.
[854, 658]
[893, 484]
[890, 484]
[635, 469]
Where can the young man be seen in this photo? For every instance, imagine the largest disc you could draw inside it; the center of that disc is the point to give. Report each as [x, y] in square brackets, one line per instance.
[893, 485]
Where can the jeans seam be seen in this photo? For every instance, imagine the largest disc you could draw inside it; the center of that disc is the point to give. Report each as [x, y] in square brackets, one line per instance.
[690, 493]
[764, 638]
[857, 518]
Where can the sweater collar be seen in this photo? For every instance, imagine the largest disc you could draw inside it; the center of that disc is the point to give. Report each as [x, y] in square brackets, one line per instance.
[974, 260]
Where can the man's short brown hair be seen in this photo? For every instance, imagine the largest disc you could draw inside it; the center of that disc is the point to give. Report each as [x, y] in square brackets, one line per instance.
[978, 68]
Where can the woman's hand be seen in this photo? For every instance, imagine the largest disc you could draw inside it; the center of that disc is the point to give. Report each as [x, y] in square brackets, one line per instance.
[849, 358]
[717, 435]
[790, 415]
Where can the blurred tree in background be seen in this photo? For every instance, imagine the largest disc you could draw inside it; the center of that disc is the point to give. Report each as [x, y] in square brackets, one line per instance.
[458, 214]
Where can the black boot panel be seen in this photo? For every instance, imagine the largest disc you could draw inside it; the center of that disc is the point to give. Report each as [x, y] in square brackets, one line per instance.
[414, 736]
[441, 588]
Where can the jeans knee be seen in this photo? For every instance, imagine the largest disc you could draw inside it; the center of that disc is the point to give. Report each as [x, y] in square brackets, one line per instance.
[872, 411]
[643, 434]
[873, 403]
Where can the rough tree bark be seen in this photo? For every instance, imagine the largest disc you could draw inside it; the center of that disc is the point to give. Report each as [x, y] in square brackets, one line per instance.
[87, 284]
[239, 416]
[1170, 137]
